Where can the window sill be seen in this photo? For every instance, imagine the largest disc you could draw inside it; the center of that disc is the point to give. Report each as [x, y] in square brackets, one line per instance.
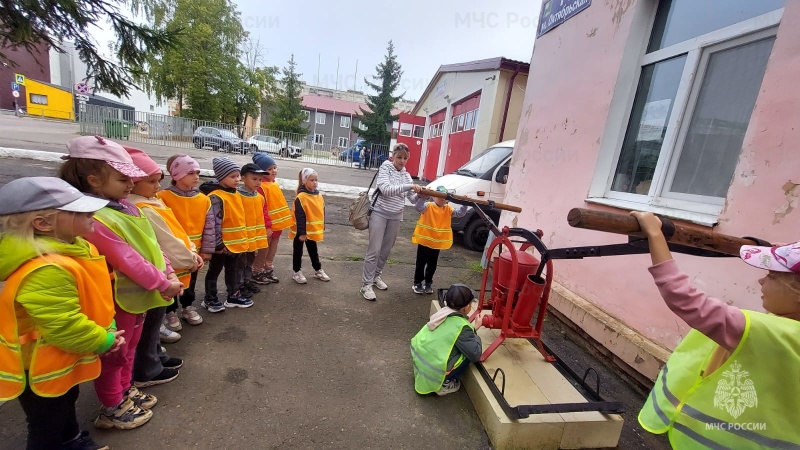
[704, 219]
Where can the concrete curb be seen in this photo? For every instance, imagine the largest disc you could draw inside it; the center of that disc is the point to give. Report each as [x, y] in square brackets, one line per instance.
[338, 190]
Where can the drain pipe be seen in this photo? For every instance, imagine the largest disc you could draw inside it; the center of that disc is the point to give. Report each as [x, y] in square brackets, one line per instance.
[508, 103]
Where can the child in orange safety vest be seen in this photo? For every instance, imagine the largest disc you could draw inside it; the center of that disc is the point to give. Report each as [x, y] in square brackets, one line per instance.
[309, 227]
[433, 233]
[56, 306]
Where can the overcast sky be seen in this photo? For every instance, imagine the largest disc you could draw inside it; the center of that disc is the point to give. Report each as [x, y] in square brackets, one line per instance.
[426, 34]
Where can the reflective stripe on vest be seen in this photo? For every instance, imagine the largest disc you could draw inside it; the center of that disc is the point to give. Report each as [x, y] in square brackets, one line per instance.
[139, 233]
[184, 274]
[430, 352]
[433, 228]
[254, 220]
[742, 404]
[53, 371]
[234, 228]
[190, 211]
[278, 210]
[314, 207]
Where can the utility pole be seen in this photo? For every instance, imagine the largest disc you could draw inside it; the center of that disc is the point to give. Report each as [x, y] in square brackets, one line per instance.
[319, 62]
[337, 73]
[355, 77]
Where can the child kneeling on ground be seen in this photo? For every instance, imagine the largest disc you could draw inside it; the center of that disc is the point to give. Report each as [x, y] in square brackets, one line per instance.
[442, 350]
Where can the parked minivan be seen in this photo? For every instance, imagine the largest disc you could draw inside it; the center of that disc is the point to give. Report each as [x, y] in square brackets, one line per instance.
[484, 177]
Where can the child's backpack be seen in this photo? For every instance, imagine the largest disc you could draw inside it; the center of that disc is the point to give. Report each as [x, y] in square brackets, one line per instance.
[361, 208]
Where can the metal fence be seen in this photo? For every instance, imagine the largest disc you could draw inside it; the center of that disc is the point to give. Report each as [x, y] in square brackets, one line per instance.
[179, 132]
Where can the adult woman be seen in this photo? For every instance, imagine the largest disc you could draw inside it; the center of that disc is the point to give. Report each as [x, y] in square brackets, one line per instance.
[394, 186]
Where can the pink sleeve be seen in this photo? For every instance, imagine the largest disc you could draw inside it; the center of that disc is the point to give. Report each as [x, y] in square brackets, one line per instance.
[722, 323]
[267, 220]
[121, 256]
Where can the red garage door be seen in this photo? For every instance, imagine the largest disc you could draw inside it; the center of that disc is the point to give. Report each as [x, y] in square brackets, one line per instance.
[434, 145]
[462, 132]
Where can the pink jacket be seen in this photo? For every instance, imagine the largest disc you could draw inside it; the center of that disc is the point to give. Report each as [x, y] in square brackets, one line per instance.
[121, 256]
[722, 323]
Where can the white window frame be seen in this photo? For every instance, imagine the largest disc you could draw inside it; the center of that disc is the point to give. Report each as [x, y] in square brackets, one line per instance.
[421, 129]
[344, 142]
[319, 138]
[406, 129]
[38, 99]
[361, 126]
[699, 209]
[319, 118]
[308, 115]
[344, 122]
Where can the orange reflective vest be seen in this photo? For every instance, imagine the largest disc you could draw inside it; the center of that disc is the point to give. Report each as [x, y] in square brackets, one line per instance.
[190, 211]
[254, 220]
[184, 274]
[52, 371]
[234, 227]
[434, 228]
[277, 208]
[314, 207]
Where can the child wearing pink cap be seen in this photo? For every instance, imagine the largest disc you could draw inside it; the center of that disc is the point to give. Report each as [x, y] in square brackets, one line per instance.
[732, 381]
[143, 278]
[192, 208]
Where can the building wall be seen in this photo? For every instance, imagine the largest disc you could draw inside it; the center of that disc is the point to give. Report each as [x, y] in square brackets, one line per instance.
[35, 65]
[59, 101]
[576, 70]
[332, 129]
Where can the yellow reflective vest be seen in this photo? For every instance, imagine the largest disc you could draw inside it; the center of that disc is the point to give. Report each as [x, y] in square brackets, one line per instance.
[254, 221]
[434, 227]
[314, 208]
[430, 351]
[751, 401]
[234, 227]
[278, 210]
[190, 211]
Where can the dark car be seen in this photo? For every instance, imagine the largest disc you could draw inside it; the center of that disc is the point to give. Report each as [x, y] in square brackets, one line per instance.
[218, 138]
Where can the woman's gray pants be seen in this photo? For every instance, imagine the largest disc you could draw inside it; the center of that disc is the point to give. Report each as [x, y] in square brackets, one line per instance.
[382, 234]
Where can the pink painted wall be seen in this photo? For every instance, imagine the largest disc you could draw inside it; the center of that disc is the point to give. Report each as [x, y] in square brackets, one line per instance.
[574, 70]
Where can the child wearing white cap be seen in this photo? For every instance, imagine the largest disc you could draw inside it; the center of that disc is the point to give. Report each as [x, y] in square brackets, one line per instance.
[56, 306]
[732, 381]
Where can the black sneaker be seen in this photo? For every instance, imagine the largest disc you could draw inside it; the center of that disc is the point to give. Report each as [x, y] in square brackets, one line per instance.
[173, 363]
[428, 288]
[83, 442]
[238, 302]
[213, 305]
[261, 278]
[270, 275]
[243, 292]
[417, 288]
[252, 287]
[165, 376]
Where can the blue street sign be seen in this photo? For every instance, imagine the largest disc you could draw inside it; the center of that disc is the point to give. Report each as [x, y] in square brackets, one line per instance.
[556, 12]
[14, 86]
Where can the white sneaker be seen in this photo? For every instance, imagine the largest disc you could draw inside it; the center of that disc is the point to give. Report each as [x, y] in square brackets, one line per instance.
[378, 282]
[168, 336]
[368, 293]
[173, 322]
[322, 275]
[299, 277]
[449, 387]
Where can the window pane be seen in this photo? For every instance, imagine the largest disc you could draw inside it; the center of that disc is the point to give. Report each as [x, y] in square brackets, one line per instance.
[655, 96]
[720, 118]
[419, 131]
[681, 20]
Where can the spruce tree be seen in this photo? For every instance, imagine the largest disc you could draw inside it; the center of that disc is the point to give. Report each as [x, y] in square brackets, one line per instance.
[380, 115]
[288, 114]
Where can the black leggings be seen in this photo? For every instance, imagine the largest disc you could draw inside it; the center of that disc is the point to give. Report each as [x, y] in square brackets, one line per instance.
[220, 261]
[427, 258]
[297, 254]
[188, 295]
[51, 420]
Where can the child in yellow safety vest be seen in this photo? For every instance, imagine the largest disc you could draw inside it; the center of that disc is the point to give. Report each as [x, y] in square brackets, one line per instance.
[442, 350]
[433, 233]
[192, 209]
[173, 239]
[279, 218]
[56, 306]
[230, 231]
[732, 381]
[143, 279]
[309, 227]
[255, 213]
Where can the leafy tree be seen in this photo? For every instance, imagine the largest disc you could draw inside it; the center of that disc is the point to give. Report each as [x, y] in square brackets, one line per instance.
[381, 105]
[28, 23]
[254, 86]
[202, 72]
[288, 114]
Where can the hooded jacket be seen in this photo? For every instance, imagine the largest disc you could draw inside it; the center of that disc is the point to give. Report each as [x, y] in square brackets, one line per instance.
[217, 209]
[47, 300]
[468, 342]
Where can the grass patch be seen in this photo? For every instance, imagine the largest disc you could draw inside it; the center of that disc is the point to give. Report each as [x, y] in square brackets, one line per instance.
[476, 267]
[353, 258]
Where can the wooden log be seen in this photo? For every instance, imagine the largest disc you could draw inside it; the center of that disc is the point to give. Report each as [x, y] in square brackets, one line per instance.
[625, 224]
[504, 207]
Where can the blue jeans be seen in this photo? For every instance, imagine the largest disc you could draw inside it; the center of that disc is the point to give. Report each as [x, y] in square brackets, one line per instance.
[456, 373]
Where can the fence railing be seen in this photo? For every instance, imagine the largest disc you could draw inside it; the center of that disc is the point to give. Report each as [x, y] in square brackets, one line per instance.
[171, 131]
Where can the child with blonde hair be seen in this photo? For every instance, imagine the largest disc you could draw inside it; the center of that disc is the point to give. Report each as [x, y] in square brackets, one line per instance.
[279, 218]
[736, 369]
[143, 278]
[309, 227]
[192, 208]
[56, 307]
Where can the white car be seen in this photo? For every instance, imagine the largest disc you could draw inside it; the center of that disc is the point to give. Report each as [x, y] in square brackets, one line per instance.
[274, 145]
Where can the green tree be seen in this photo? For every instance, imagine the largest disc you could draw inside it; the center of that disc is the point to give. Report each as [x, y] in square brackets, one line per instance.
[254, 85]
[288, 113]
[29, 23]
[202, 72]
[381, 105]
